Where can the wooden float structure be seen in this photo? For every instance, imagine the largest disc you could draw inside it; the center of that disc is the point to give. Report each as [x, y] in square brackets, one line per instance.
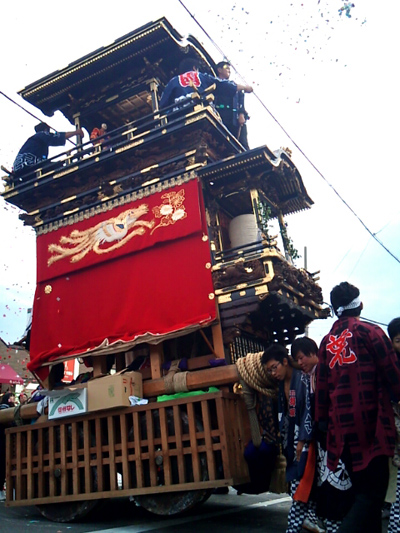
[196, 298]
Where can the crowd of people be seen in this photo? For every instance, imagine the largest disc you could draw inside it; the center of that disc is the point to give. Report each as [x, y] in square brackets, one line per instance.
[7, 401]
[338, 410]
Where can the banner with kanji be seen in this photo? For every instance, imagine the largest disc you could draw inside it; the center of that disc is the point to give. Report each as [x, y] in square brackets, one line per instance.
[140, 270]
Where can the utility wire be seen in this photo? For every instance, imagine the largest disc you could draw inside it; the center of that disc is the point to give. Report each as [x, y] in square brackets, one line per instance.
[373, 321]
[31, 114]
[373, 235]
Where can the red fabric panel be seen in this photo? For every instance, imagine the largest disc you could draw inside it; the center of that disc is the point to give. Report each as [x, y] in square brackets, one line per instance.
[158, 290]
[135, 226]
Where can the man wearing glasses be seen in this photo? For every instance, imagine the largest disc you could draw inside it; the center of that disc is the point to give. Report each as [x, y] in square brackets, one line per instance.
[296, 428]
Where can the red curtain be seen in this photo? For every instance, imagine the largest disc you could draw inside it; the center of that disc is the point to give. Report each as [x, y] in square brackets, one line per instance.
[155, 282]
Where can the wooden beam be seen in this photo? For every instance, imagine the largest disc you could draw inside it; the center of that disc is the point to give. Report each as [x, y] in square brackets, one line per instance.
[156, 360]
[99, 366]
[218, 341]
[201, 379]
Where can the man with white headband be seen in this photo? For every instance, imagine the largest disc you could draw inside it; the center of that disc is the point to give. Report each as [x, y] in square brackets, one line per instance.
[357, 372]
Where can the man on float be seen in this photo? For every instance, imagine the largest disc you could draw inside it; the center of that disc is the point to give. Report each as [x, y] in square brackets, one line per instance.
[36, 149]
[231, 109]
[179, 88]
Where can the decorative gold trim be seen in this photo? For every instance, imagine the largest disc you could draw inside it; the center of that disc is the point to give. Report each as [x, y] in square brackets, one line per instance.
[147, 169]
[194, 119]
[150, 182]
[128, 146]
[65, 172]
[225, 298]
[261, 289]
[65, 200]
[250, 284]
[111, 50]
[116, 202]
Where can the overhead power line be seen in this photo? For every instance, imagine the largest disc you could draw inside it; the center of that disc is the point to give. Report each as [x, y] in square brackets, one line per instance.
[373, 235]
[29, 113]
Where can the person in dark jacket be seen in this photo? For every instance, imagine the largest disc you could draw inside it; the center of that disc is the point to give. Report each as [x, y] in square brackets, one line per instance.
[394, 517]
[357, 373]
[296, 429]
[36, 149]
[232, 110]
[7, 401]
[179, 88]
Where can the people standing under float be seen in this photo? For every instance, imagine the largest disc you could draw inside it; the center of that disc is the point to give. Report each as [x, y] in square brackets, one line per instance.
[7, 401]
[296, 429]
[22, 398]
[231, 109]
[331, 491]
[356, 370]
[394, 518]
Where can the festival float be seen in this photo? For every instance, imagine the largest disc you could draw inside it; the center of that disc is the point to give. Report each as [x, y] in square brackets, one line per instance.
[153, 249]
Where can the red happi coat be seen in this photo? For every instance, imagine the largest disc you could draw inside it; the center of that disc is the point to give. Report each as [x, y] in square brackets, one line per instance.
[356, 375]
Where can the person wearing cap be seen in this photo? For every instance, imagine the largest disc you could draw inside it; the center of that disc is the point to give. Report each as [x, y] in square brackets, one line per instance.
[179, 88]
[357, 374]
[231, 109]
[36, 149]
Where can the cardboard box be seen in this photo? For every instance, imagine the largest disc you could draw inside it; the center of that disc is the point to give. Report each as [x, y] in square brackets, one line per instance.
[114, 391]
[70, 401]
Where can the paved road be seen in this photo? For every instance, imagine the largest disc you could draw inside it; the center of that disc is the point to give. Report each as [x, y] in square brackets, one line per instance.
[266, 513]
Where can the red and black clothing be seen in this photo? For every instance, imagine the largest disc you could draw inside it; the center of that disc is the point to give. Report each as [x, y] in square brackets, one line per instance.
[356, 375]
[357, 371]
[180, 87]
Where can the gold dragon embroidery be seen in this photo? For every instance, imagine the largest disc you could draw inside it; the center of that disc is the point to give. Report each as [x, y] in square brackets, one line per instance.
[120, 229]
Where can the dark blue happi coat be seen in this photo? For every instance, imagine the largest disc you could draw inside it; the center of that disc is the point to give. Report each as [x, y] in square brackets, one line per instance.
[180, 87]
[36, 149]
[295, 422]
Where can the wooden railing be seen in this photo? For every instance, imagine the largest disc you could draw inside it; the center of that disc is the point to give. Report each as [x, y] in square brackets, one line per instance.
[185, 444]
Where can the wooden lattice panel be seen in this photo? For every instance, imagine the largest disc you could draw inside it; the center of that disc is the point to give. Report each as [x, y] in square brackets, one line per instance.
[186, 444]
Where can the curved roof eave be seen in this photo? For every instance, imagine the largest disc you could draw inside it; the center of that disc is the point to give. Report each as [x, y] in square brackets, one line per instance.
[132, 51]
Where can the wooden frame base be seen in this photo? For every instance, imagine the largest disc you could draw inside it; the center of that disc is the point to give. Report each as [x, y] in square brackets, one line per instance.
[192, 443]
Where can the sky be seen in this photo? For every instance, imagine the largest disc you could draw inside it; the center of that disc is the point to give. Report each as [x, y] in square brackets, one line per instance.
[325, 86]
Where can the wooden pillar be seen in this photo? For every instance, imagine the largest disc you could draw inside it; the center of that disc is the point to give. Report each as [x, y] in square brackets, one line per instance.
[154, 95]
[282, 227]
[99, 366]
[77, 122]
[156, 360]
[255, 199]
[218, 341]
[120, 362]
